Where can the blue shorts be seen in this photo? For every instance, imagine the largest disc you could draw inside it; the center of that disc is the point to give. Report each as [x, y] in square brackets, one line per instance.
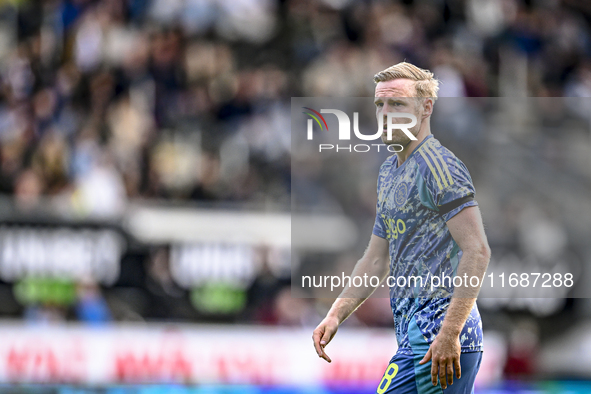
[404, 375]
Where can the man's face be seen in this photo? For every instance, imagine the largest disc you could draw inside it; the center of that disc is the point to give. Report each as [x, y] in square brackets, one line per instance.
[397, 96]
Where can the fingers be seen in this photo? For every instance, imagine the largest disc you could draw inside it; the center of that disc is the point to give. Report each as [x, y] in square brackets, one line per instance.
[426, 358]
[321, 337]
[442, 374]
[458, 368]
[328, 334]
[442, 370]
[434, 370]
[450, 374]
[316, 338]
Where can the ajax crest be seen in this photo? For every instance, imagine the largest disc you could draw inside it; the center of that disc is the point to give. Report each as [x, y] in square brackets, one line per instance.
[400, 194]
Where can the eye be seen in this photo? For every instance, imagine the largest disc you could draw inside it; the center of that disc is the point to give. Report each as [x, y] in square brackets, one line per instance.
[379, 105]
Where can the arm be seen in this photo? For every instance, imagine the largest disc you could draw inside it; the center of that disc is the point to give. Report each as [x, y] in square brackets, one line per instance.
[375, 262]
[467, 230]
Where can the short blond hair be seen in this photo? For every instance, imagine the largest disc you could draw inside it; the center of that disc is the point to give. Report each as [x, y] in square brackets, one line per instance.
[426, 85]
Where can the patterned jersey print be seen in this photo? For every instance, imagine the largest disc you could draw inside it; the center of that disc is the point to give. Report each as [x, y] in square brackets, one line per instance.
[415, 200]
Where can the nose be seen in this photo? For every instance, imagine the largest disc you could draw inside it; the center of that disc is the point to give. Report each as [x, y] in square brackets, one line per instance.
[385, 110]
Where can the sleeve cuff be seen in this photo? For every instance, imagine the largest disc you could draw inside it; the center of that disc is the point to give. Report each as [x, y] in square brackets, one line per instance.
[457, 210]
[379, 232]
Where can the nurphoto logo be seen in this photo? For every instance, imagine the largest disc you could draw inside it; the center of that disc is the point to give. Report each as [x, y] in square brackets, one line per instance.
[344, 131]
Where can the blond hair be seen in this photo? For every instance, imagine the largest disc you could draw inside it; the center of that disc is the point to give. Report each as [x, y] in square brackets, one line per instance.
[426, 85]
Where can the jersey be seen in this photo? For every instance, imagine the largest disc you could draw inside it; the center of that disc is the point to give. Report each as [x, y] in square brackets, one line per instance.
[415, 200]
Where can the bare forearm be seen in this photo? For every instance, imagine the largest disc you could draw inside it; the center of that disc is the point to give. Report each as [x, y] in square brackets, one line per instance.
[467, 230]
[456, 316]
[352, 297]
[471, 264]
[342, 308]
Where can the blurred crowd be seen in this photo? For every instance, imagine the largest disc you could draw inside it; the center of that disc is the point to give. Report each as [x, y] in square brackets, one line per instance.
[107, 101]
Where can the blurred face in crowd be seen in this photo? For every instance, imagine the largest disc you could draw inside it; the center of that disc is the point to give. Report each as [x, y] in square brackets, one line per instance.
[398, 95]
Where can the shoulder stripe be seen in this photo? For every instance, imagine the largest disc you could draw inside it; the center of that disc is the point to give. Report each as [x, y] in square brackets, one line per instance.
[445, 167]
[439, 170]
[430, 167]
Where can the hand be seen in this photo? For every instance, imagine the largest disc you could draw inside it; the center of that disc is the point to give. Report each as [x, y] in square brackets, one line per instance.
[323, 334]
[445, 355]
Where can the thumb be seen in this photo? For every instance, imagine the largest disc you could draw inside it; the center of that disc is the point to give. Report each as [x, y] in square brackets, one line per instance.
[326, 337]
[426, 358]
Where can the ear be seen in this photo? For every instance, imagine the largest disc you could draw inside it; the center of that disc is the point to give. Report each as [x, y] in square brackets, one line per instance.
[428, 107]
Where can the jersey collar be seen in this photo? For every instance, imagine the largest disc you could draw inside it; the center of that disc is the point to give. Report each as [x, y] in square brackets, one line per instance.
[395, 161]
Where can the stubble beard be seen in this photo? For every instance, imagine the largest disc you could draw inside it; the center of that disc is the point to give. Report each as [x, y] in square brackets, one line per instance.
[399, 137]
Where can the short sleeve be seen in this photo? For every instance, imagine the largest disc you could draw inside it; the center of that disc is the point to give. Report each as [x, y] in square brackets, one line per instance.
[379, 227]
[449, 185]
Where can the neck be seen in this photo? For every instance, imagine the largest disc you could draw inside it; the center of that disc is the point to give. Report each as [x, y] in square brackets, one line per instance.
[423, 133]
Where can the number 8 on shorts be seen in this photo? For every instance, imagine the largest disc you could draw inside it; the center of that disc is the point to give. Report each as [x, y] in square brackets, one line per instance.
[391, 371]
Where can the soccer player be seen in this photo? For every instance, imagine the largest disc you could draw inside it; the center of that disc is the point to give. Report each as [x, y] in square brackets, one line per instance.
[427, 224]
